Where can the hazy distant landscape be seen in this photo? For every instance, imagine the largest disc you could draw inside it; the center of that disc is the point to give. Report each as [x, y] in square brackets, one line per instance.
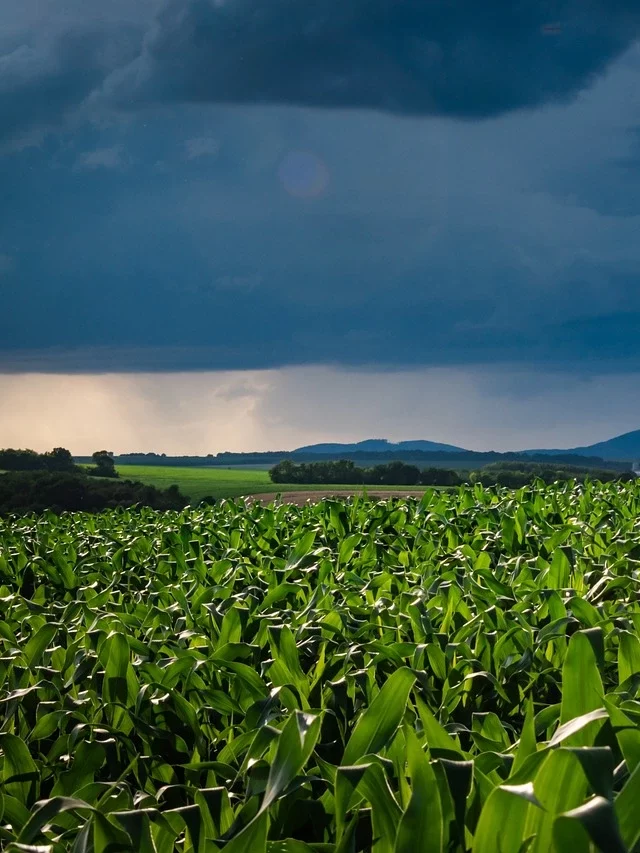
[620, 450]
[231, 475]
[345, 468]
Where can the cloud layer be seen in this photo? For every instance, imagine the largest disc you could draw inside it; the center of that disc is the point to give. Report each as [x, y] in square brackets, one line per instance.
[406, 57]
[45, 79]
[462, 59]
[230, 185]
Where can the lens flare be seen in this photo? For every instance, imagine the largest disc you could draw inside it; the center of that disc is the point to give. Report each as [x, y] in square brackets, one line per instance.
[303, 174]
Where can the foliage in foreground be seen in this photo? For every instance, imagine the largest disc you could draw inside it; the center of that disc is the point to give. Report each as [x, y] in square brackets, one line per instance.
[459, 673]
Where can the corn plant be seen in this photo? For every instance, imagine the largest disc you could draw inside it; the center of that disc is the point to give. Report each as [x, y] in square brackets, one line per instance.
[457, 673]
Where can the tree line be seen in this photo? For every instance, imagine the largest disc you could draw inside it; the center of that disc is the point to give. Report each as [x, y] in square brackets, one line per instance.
[34, 482]
[59, 459]
[513, 474]
[345, 472]
[468, 459]
[517, 474]
[23, 492]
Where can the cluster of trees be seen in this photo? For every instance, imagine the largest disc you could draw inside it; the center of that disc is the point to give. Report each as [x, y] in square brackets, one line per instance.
[345, 472]
[104, 466]
[517, 474]
[512, 474]
[36, 491]
[58, 459]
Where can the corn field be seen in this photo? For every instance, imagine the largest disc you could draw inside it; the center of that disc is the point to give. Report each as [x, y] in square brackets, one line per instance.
[459, 673]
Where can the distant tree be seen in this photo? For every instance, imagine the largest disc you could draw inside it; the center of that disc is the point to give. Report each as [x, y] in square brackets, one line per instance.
[440, 477]
[105, 466]
[345, 472]
[392, 474]
[517, 474]
[20, 460]
[286, 472]
[59, 459]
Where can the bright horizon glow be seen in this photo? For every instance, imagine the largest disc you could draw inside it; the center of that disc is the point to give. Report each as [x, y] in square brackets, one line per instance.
[199, 413]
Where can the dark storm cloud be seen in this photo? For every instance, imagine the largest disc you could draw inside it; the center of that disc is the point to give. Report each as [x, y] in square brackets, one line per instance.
[202, 236]
[43, 80]
[421, 57]
[425, 57]
[147, 258]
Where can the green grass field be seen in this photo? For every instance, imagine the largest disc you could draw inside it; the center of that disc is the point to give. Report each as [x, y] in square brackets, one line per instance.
[198, 483]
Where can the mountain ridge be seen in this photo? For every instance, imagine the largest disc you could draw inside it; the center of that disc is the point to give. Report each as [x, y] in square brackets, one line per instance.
[621, 447]
[624, 447]
[379, 445]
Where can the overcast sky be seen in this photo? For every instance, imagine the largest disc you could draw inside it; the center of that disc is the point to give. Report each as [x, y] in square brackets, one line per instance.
[236, 225]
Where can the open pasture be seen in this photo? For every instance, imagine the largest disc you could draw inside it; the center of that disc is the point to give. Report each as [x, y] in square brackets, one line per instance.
[218, 483]
[198, 483]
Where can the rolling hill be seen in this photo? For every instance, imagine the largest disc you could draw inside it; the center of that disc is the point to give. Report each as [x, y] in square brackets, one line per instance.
[380, 445]
[621, 447]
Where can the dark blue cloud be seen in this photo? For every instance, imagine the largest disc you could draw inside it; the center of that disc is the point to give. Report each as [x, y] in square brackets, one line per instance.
[44, 80]
[423, 57]
[144, 294]
[130, 254]
[413, 57]
[460, 59]
[177, 235]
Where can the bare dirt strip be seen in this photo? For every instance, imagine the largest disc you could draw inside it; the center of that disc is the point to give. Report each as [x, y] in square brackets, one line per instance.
[316, 495]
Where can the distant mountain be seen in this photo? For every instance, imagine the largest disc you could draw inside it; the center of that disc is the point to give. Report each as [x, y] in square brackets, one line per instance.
[380, 445]
[622, 447]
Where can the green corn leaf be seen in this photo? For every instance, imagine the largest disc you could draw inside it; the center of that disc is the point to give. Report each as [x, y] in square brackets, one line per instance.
[369, 781]
[560, 785]
[594, 822]
[379, 722]
[627, 811]
[253, 837]
[137, 825]
[19, 772]
[286, 667]
[295, 745]
[34, 649]
[45, 811]
[439, 741]
[628, 655]
[527, 742]
[107, 838]
[115, 656]
[301, 549]
[627, 734]
[421, 828]
[582, 689]
[503, 820]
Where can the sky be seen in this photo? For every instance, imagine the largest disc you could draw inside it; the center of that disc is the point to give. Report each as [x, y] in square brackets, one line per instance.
[230, 225]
